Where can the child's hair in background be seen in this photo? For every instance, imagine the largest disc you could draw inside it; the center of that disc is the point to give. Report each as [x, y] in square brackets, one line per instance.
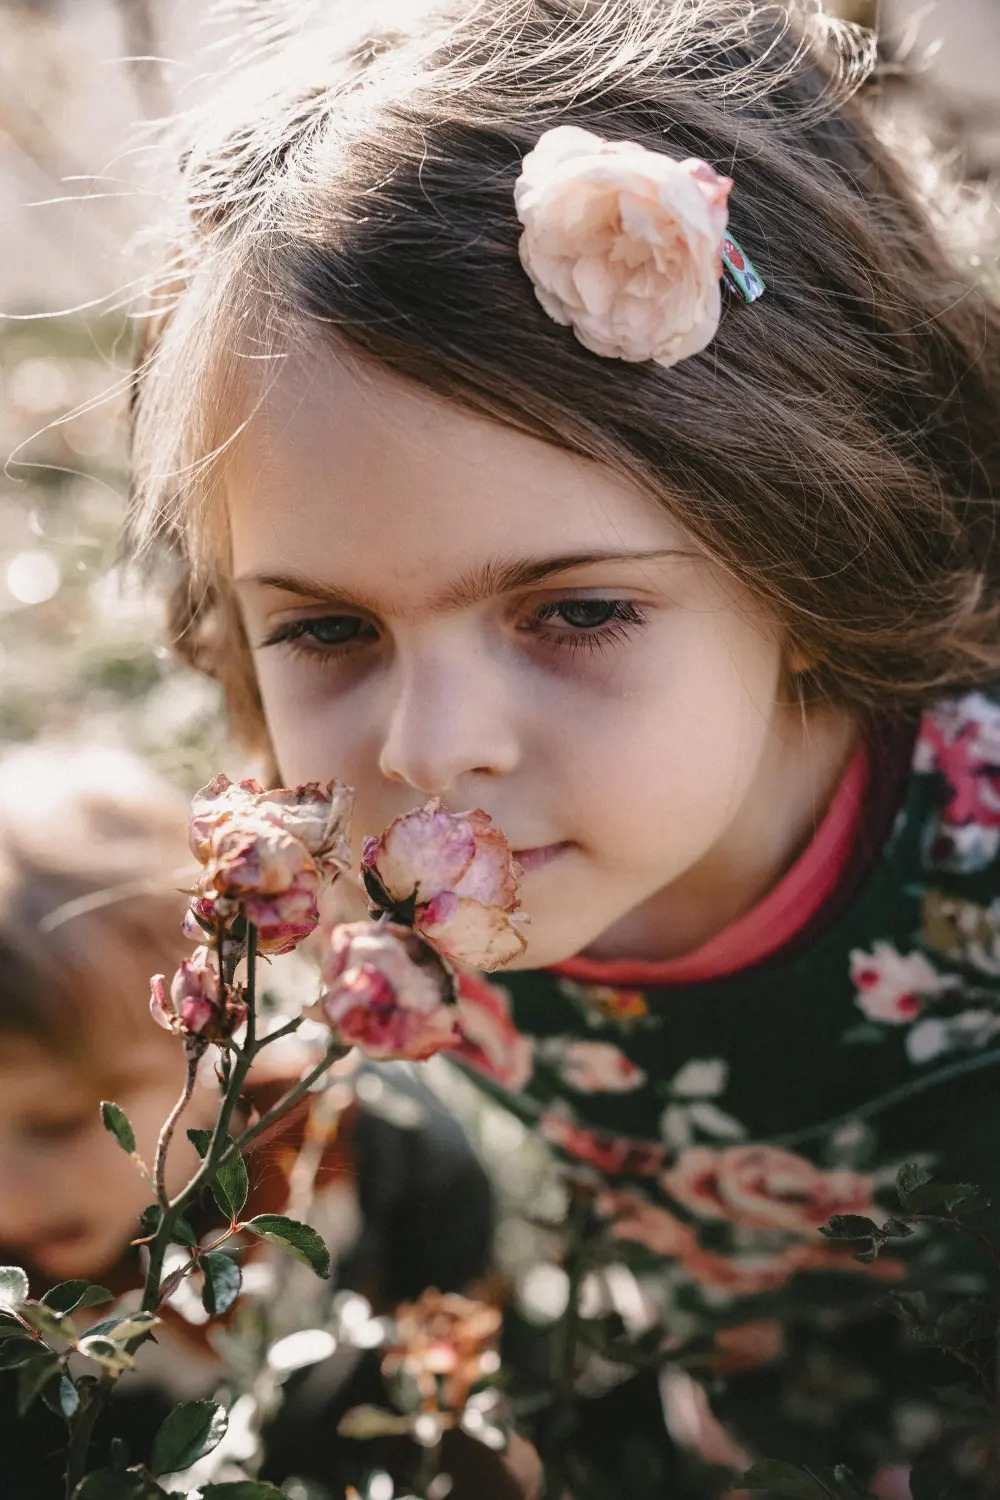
[93, 857]
[837, 446]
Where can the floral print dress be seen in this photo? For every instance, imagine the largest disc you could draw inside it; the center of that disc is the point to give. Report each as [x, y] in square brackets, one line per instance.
[720, 1124]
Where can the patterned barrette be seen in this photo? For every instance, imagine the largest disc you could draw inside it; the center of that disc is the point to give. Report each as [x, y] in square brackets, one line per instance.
[628, 246]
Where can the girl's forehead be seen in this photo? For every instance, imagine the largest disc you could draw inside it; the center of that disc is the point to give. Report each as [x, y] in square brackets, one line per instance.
[342, 459]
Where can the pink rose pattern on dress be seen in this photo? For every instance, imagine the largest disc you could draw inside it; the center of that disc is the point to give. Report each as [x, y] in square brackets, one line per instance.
[960, 738]
[763, 1187]
[613, 1154]
[593, 1067]
[749, 1271]
[893, 988]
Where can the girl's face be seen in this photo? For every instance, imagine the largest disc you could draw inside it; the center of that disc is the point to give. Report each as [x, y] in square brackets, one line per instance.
[70, 1197]
[441, 606]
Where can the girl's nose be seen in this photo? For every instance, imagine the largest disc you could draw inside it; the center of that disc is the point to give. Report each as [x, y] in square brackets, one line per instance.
[447, 722]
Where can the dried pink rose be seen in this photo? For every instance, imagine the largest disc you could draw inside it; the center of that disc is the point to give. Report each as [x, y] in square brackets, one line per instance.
[267, 854]
[623, 244]
[196, 1003]
[319, 817]
[453, 876]
[387, 992]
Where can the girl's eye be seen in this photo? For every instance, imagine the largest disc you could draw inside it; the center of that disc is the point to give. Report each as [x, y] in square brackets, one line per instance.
[584, 614]
[322, 633]
[588, 624]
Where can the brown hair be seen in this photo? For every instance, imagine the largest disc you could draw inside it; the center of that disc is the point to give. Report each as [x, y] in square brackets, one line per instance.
[837, 446]
[93, 856]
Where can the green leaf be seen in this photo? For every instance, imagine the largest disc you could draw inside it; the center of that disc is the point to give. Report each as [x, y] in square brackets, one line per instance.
[17, 1351]
[897, 1229]
[109, 1484]
[201, 1140]
[127, 1326]
[13, 1286]
[934, 1194]
[190, 1431]
[180, 1234]
[242, 1489]
[975, 1203]
[62, 1397]
[911, 1308]
[69, 1295]
[848, 1227]
[34, 1376]
[116, 1123]
[297, 1239]
[223, 1280]
[786, 1480]
[53, 1324]
[965, 1321]
[9, 1326]
[910, 1177]
[231, 1186]
[109, 1355]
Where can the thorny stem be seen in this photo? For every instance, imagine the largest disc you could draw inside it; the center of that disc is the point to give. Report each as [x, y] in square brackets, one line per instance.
[82, 1432]
[174, 1207]
[565, 1352]
[332, 1054]
[219, 1150]
[194, 1048]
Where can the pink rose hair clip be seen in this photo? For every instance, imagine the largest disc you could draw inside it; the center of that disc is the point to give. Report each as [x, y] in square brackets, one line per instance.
[628, 246]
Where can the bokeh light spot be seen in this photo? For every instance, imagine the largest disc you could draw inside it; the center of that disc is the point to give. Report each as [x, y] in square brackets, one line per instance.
[33, 577]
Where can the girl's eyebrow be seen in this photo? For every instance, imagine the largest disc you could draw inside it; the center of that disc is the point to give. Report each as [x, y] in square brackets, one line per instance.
[481, 583]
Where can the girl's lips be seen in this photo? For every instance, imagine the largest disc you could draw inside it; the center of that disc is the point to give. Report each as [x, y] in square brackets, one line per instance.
[543, 854]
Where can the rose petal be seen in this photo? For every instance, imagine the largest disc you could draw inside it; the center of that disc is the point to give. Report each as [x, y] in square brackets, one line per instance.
[423, 853]
[159, 1007]
[484, 937]
[623, 243]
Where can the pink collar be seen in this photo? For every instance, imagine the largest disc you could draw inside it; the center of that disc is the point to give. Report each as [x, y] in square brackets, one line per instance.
[783, 913]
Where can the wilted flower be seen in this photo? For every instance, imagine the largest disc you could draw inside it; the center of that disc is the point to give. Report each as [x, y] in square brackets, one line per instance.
[387, 992]
[197, 1003]
[319, 817]
[446, 1344]
[452, 877]
[267, 854]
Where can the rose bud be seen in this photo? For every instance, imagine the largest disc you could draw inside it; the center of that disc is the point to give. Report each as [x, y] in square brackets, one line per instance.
[453, 877]
[196, 1004]
[387, 992]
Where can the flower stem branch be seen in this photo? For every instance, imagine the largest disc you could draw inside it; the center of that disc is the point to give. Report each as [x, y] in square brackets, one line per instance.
[288, 1101]
[194, 1049]
[82, 1432]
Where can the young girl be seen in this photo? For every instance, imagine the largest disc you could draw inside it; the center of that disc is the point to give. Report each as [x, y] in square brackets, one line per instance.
[566, 409]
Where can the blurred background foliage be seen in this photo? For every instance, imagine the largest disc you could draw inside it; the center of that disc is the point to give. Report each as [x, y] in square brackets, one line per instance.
[81, 644]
